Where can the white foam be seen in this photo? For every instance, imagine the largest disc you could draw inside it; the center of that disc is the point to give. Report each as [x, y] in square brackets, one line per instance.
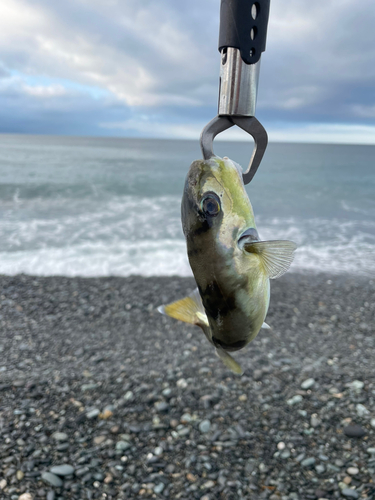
[134, 235]
[146, 258]
[166, 257]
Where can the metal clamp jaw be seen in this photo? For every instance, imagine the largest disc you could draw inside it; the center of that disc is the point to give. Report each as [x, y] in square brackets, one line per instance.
[250, 125]
[243, 29]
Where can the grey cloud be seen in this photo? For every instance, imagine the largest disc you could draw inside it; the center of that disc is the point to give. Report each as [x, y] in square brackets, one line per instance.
[161, 56]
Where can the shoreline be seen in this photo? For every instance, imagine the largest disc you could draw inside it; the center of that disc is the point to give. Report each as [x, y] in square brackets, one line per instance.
[145, 409]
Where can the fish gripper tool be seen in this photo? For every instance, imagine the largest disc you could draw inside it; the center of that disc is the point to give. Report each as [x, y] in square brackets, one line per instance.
[242, 39]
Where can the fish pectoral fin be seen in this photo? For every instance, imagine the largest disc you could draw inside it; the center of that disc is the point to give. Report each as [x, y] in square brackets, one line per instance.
[276, 256]
[265, 326]
[228, 361]
[189, 309]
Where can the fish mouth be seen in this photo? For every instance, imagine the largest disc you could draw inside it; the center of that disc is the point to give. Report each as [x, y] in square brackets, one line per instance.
[248, 236]
[234, 346]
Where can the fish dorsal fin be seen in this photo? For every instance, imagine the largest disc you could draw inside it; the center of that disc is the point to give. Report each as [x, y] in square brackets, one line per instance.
[189, 309]
[228, 361]
[276, 256]
[265, 326]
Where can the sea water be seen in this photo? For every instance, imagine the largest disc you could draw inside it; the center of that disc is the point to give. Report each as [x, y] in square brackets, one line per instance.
[101, 206]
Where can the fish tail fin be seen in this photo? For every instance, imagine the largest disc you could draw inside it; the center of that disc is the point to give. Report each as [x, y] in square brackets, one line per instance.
[228, 361]
[189, 309]
[276, 256]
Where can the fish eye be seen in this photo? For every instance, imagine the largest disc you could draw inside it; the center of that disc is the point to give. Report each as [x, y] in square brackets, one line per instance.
[211, 205]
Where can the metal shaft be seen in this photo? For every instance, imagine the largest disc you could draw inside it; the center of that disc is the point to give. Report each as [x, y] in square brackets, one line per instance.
[238, 84]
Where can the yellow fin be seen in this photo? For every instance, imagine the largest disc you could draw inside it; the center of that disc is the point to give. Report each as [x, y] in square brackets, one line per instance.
[276, 256]
[228, 361]
[189, 309]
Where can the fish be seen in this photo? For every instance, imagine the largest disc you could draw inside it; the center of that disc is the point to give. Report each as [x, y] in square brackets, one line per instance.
[232, 267]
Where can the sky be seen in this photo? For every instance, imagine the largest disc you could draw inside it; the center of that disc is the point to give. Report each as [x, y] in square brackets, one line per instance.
[150, 68]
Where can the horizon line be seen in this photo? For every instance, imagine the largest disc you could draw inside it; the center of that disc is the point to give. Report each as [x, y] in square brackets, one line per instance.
[187, 139]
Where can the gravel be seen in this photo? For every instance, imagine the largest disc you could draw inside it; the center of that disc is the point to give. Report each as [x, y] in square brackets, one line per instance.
[102, 397]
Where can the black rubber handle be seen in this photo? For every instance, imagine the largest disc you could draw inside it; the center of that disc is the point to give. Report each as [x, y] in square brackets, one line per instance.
[243, 25]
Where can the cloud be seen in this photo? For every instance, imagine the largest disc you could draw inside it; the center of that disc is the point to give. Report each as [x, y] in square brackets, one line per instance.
[120, 62]
[338, 133]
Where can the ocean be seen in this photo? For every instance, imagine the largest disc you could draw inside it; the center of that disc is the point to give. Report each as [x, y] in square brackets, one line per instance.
[111, 207]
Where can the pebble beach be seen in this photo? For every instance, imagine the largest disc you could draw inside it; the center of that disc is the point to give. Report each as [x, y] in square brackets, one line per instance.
[101, 397]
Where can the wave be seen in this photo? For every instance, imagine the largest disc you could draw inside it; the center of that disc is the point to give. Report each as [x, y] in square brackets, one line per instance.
[167, 257]
[39, 224]
[146, 258]
[142, 235]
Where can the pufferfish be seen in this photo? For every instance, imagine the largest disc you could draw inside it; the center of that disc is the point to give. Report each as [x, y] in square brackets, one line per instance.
[232, 267]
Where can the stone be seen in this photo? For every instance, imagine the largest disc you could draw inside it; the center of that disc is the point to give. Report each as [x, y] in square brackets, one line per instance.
[158, 488]
[308, 462]
[307, 384]
[294, 400]
[300, 457]
[20, 475]
[281, 445]
[94, 413]
[356, 385]
[371, 451]
[352, 471]
[51, 479]
[205, 426]
[362, 411]
[122, 445]
[315, 421]
[167, 392]
[333, 468]
[88, 387]
[99, 439]
[354, 431]
[62, 470]
[319, 493]
[162, 407]
[349, 493]
[158, 451]
[61, 447]
[263, 467]
[320, 469]
[182, 383]
[19, 382]
[82, 471]
[25, 496]
[186, 418]
[60, 436]
[106, 414]
[3, 484]
[372, 422]
[128, 396]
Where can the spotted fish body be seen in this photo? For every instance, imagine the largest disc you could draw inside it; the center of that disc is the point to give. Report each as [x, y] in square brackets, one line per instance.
[231, 266]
